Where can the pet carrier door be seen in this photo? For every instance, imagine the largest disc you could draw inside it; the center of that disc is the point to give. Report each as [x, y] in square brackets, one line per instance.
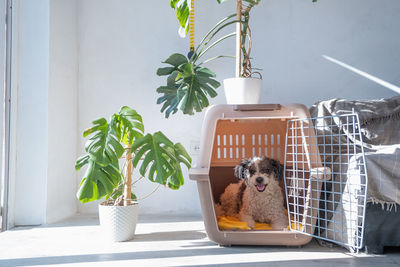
[326, 178]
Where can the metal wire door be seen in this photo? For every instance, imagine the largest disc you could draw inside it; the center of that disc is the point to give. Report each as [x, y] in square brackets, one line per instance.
[326, 178]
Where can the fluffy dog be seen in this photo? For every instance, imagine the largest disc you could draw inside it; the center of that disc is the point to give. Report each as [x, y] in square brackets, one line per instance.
[258, 196]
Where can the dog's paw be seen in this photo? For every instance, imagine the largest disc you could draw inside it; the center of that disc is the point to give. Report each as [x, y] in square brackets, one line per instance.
[248, 219]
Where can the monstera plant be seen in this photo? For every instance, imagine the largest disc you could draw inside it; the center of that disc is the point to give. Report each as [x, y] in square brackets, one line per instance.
[122, 137]
[189, 83]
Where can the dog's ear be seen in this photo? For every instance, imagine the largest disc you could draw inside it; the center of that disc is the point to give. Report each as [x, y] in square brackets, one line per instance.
[241, 169]
[277, 168]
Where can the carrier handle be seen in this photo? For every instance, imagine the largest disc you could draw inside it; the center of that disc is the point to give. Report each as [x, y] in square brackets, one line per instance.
[257, 107]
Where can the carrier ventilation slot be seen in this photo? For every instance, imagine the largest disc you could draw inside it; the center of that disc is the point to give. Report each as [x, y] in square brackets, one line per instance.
[239, 139]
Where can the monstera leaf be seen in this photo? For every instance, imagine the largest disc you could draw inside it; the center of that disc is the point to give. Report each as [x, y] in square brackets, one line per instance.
[128, 124]
[181, 156]
[104, 148]
[161, 159]
[98, 181]
[187, 86]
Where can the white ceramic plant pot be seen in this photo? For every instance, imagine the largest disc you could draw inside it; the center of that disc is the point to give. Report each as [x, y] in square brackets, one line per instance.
[243, 90]
[119, 222]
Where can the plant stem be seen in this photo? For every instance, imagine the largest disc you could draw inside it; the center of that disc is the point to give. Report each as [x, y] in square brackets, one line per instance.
[238, 37]
[128, 177]
[216, 26]
[246, 68]
[215, 43]
[203, 46]
[213, 58]
[212, 32]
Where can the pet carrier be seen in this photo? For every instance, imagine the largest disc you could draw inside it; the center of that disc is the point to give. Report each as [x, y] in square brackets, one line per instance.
[317, 205]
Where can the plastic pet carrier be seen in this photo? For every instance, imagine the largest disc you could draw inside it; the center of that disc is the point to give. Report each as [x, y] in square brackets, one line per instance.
[325, 178]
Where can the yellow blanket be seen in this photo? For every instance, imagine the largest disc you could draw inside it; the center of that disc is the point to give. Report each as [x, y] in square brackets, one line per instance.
[232, 223]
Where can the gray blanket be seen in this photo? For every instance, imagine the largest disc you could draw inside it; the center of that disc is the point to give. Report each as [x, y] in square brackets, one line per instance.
[380, 130]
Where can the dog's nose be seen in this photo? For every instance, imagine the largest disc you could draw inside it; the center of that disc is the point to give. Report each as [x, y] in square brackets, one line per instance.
[259, 180]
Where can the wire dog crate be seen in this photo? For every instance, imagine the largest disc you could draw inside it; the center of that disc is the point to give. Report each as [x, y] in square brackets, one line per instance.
[341, 192]
[331, 209]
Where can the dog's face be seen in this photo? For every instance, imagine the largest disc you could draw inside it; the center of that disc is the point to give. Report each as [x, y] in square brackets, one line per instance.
[259, 172]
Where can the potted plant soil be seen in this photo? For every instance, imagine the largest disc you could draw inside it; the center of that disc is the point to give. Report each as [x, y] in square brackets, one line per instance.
[122, 137]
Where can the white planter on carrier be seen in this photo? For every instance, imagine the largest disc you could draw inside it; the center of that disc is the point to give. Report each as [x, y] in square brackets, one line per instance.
[243, 90]
[118, 222]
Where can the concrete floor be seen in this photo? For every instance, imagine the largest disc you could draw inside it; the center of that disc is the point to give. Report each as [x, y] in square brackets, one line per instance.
[173, 241]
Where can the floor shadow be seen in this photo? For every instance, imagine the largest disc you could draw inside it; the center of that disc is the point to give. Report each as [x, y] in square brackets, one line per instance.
[353, 261]
[104, 257]
[200, 244]
[169, 236]
[190, 252]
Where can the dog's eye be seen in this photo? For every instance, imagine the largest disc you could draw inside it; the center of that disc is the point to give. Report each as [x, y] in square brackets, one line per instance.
[252, 172]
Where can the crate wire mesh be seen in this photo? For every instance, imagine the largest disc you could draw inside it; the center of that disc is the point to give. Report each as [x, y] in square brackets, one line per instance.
[326, 179]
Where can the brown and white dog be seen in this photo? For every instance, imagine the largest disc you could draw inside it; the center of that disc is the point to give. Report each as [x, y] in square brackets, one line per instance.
[258, 196]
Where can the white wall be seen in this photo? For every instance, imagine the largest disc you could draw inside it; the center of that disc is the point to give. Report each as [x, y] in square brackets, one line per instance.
[44, 111]
[31, 120]
[2, 88]
[63, 110]
[292, 36]
[122, 44]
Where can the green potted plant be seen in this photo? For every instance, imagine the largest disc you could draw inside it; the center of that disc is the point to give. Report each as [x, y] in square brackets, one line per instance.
[189, 84]
[122, 137]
